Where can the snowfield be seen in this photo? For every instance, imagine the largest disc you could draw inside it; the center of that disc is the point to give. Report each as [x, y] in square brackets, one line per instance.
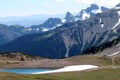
[70, 69]
[114, 53]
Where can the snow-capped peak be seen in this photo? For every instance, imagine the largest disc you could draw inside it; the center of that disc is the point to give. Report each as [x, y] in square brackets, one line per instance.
[90, 11]
[85, 15]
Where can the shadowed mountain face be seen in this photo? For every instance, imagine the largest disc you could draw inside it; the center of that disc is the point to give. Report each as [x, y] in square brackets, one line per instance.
[70, 39]
[9, 33]
[4, 38]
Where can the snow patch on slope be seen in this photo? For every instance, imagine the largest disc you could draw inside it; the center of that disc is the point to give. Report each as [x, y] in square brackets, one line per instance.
[114, 53]
[116, 24]
[70, 69]
[45, 29]
[85, 15]
[63, 20]
[76, 18]
[29, 29]
[100, 20]
[102, 25]
[37, 29]
[59, 25]
[115, 31]
[118, 13]
[116, 8]
[97, 11]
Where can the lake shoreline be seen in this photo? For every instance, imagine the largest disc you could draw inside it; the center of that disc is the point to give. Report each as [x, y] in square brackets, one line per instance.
[72, 68]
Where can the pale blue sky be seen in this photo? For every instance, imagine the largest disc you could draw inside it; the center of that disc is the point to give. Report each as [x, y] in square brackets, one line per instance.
[32, 7]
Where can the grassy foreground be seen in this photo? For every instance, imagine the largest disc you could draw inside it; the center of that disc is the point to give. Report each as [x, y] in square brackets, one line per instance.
[53, 63]
[105, 73]
[100, 74]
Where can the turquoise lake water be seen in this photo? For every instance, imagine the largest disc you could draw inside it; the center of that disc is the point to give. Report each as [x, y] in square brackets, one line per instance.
[24, 71]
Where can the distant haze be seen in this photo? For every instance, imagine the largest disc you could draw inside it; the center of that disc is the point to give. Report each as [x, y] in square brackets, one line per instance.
[30, 12]
[27, 21]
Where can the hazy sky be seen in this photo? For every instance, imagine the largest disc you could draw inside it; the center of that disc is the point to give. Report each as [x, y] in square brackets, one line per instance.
[31, 7]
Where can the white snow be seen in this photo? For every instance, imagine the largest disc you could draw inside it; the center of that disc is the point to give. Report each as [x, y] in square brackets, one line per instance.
[37, 29]
[97, 11]
[118, 13]
[29, 29]
[116, 24]
[115, 31]
[70, 69]
[45, 29]
[114, 53]
[53, 28]
[63, 20]
[76, 18]
[102, 25]
[85, 15]
[59, 25]
[116, 8]
[100, 20]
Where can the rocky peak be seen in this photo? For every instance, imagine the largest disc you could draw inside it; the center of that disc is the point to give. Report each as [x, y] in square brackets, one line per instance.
[104, 8]
[90, 11]
[51, 22]
[69, 17]
[92, 7]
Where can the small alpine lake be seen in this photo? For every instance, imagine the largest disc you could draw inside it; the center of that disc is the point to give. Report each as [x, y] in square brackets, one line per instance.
[25, 71]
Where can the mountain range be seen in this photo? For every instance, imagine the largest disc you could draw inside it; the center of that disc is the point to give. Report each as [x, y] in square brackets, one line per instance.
[70, 36]
[70, 39]
[37, 19]
[16, 31]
